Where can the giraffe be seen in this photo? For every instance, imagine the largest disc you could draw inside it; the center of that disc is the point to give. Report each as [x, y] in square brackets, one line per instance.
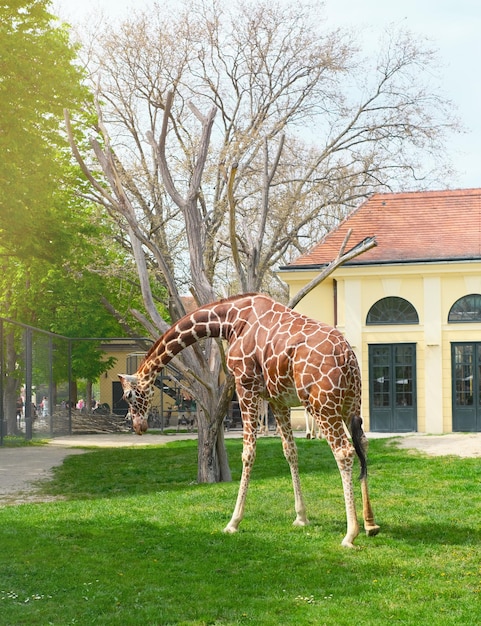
[313, 430]
[263, 417]
[274, 353]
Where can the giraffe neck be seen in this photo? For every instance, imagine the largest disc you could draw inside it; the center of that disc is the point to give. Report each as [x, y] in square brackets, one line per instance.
[223, 319]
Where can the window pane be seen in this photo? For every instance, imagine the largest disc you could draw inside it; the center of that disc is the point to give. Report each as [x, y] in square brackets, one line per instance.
[392, 310]
[466, 309]
[380, 372]
[464, 363]
[404, 375]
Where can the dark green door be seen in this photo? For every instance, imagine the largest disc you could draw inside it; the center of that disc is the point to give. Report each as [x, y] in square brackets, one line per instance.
[466, 364]
[119, 405]
[392, 388]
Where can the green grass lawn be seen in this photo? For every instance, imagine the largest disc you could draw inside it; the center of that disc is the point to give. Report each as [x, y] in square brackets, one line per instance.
[136, 541]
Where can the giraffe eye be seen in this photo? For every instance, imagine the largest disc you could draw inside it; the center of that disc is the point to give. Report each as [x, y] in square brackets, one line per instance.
[129, 395]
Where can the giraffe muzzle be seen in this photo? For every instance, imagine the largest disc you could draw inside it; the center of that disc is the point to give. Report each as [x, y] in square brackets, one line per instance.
[140, 425]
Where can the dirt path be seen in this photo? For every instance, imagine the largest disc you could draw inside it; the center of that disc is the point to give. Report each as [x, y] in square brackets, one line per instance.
[22, 468]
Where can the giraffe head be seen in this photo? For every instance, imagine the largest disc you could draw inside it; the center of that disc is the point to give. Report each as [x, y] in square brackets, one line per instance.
[138, 398]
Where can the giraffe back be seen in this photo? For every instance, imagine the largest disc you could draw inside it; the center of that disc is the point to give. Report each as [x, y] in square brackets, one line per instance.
[300, 359]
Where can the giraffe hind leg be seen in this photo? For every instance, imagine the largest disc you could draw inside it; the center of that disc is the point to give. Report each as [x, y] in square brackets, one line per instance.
[361, 443]
[343, 452]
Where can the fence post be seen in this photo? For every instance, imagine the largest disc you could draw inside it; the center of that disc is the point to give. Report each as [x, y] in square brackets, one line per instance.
[2, 373]
[51, 405]
[69, 386]
[28, 384]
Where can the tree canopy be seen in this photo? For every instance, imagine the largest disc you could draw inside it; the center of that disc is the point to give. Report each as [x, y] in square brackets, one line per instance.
[55, 247]
[40, 75]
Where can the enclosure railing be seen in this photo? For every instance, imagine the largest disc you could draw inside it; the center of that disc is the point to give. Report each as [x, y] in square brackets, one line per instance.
[35, 361]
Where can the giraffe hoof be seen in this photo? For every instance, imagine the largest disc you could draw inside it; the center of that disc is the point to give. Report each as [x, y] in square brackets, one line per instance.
[300, 522]
[230, 530]
[372, 531]
[347, 544]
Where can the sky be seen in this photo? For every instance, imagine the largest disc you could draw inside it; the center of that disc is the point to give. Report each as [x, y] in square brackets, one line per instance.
[452, 27]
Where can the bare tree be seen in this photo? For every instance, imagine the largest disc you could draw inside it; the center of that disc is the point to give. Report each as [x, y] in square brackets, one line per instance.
[230, 140]
[311, 126]
[201, 366]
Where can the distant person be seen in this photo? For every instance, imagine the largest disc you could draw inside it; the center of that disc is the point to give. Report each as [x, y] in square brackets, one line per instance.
[19, 409]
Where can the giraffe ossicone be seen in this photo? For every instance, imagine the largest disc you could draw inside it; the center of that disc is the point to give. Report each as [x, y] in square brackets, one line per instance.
[275, 354]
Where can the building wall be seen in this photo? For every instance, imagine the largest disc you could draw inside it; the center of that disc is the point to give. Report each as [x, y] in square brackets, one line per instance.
[105, 382]
[121, 352]
[432, 289]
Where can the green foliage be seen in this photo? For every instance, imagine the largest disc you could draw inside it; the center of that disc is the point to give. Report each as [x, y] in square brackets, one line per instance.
[38, 79]
[136, 541]
[41, 218]
[55, 250]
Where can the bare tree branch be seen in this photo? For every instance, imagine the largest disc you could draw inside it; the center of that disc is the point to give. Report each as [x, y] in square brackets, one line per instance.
[342, 257]
[189, 205]
[236, 260]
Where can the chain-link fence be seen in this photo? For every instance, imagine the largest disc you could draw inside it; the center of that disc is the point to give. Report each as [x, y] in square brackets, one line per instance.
[52, 385]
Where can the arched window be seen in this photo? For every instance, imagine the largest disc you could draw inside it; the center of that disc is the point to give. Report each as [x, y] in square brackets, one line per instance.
[466, 309]
[392, 310]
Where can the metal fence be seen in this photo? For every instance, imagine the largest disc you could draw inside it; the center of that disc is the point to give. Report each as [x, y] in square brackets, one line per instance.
[38, 396]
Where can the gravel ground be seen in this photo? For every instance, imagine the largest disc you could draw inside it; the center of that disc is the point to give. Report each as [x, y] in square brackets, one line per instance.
[22, 468]
[456, 444]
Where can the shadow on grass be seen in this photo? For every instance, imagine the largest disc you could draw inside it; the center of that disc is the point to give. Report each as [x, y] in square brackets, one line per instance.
[179, 569]
[434, 533]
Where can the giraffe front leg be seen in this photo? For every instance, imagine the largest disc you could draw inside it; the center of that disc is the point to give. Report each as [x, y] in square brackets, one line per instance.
[301, 517]
[238, 513]
[290, 453]
[248, 458]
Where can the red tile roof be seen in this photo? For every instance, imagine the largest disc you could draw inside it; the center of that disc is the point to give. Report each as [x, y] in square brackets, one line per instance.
[408, 227]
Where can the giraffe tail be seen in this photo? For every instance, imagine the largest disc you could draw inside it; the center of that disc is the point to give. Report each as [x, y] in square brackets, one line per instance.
[358, 438]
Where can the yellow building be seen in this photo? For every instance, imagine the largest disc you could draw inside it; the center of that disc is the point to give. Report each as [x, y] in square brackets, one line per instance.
[410, 307]
[110, 389]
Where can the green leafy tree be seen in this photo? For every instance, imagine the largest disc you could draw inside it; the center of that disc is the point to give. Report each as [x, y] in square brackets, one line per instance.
[39, 76]
[52, 242]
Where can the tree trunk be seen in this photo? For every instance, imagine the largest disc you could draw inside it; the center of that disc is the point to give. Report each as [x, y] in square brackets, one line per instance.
[213, 463]
[208, 470]
[73, 393]
[88, 397]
